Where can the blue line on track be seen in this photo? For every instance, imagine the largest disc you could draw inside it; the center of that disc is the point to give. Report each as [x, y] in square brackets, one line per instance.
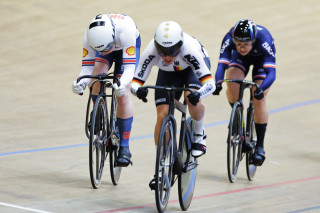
[293, 106]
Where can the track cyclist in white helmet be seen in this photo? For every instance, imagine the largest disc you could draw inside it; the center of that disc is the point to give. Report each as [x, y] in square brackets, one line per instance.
[113, 38]
[182, 62]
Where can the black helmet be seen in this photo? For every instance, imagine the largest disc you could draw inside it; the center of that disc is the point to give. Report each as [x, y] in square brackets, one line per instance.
[244, 30]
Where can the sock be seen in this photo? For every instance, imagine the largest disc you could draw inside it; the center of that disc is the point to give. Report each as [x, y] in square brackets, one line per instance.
[261, 131]
[198, 127]
[124, 130]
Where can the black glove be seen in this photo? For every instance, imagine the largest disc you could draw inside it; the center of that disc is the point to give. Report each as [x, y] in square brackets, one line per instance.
[258, 94]
[142, 93]
[194, 98]
[218, 89]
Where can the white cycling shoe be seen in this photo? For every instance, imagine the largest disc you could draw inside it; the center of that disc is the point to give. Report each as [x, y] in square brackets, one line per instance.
[199, 147]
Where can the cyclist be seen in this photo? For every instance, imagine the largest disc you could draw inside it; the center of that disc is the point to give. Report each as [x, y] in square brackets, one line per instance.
[113, 38]
[244, 45]
[182, 62]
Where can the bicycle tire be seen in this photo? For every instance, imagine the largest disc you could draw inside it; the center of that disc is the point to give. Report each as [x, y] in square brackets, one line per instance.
[115, 171]
[251, 142]
[97, 142]
[164, 164]
[187, 180]
[234, 150]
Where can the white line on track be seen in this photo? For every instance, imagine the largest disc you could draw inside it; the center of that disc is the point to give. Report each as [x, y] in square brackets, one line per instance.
[20, 207]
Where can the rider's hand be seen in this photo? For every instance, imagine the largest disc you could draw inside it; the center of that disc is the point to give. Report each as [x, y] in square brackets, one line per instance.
[218, 89]
[142, 93]
[194, 98]
[78, 88]
[258, 94]
[134, 88]
[119, 90]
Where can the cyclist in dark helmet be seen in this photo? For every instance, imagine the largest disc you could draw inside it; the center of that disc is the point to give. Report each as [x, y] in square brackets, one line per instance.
[244, 45]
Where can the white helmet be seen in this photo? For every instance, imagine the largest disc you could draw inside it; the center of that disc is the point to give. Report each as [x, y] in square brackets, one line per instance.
[168, 38]
[100, 33]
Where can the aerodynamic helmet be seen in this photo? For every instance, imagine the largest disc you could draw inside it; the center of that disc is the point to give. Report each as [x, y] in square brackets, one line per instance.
[244, 30]
[100, 33]
[168, 38]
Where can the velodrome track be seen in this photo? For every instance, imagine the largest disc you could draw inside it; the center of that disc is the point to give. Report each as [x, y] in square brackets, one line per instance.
[44, 150]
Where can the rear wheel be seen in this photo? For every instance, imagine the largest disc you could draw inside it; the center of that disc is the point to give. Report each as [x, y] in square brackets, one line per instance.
[164, 164]
[234, 151]
[115, 171]
[251, 143]
[97, 142]
[187, 180]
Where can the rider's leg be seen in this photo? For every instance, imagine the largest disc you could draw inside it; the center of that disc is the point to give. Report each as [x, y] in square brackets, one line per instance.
[233, 88]
[197, 113]
[124, 122]
[261, 121]
[162, 112]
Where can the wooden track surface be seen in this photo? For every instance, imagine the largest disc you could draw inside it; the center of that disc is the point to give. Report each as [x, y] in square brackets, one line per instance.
[44, 152]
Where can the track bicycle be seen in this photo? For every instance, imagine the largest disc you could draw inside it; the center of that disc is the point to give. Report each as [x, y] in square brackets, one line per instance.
[242, 137]
[175, 160]
[101, 129]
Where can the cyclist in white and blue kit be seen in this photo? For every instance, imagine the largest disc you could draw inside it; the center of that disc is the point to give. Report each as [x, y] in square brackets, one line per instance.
[182, 62]
[244, 45]
[113, 39]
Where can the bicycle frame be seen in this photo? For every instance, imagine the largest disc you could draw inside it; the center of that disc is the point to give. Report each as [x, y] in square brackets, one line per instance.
[104, 80]
[109, 137]
[181, 107]
[180, 161]
[241, 144]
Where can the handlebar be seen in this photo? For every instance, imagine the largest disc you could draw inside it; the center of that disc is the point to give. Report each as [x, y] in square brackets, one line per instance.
[101, 77]
[246, 83]
[171, 88]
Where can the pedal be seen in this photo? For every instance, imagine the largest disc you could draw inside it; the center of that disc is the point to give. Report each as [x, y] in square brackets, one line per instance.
[191, 165]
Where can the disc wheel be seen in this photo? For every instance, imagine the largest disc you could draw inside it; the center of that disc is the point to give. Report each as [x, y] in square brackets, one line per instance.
[252, 141]
[115, 171]
[187, 180]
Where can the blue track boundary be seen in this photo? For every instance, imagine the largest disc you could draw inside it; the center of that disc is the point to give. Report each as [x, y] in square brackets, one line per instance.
[289, 107]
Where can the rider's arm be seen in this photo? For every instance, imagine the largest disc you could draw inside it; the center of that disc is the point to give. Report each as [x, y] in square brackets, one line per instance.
[88, 59]
[225, 56]
[128, 40]
[147, 60]
[269, 65]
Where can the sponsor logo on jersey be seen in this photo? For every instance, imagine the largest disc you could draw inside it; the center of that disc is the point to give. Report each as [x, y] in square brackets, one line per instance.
[177, 68]
[84, 52]
[268, 48]
[193, 61]
[145, 65]
[131, 50]
[99, 46]
[225, 45]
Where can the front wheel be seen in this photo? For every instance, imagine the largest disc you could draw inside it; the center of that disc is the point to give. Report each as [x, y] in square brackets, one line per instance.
[164, 164]
[187, 180]
[97, 142]
[234, 151]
